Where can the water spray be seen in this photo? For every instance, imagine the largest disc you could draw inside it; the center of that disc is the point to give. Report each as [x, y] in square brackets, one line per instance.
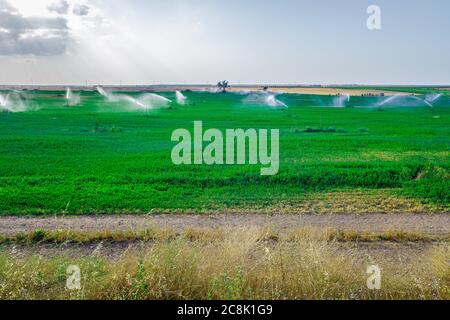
[145, 101]
[272, 101]
[153, 100]
[102, 92]
[432, 98]
[265, 98]
[2, 101]
[214, 90]
[424, 101]
[181, 98]
[409, 100]
[12, 102]
[72, 98]
[388, 100]
[341, 100]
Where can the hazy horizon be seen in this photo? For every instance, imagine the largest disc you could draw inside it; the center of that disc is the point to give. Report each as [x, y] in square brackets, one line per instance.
[331, 85]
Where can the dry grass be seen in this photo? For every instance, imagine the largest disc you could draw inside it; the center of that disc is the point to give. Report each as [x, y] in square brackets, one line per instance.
[321, 91]
[216, 234]
[65, 236]
[359, 201]
[385, 201]
[381, 201]
[230, 264]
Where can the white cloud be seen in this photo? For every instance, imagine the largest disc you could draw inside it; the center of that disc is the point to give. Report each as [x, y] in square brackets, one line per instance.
[44, 27]
[20, 35]
[80, 10]
[60, 7]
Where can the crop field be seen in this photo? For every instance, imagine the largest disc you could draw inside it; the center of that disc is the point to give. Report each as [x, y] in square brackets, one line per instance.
[414, 89]
[105, 156]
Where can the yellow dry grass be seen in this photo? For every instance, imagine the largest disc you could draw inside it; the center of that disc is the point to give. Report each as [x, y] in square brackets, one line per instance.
[243, 263]
[320, 91]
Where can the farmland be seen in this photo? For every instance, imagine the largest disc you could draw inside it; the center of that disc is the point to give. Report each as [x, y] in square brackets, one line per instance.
[89, 182]
[102, 157]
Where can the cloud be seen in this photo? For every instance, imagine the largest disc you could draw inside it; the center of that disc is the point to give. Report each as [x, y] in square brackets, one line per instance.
[40, 36]
[45, 44]
[60, 7]
[80, 10]
[5, 6]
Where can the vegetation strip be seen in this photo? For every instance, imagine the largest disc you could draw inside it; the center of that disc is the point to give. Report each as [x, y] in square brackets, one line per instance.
[240, 264]
[218, 234]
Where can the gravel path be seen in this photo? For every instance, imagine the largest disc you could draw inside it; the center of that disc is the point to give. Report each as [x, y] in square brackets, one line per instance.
[424, 223]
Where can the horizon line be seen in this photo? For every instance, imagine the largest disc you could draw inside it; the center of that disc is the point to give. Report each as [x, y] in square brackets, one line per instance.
[232, 85]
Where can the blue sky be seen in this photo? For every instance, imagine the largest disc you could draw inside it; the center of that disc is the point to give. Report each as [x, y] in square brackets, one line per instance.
[201, 41]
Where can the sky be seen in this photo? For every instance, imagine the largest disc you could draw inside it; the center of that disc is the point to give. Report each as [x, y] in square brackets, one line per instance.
[73, 42]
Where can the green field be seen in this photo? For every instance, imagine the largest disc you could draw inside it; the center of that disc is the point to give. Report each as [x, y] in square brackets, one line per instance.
[99, 157]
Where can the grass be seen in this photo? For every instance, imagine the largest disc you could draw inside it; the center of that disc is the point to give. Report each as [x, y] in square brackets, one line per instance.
[100, 158]
[251, 265]
[40, 236]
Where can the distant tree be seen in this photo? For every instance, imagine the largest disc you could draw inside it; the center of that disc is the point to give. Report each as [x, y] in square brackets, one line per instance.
[223, 85]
